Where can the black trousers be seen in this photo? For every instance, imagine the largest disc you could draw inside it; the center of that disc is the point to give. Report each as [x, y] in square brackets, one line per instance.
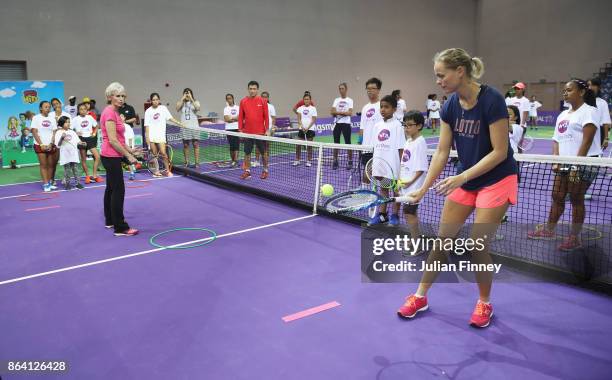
[114, 194]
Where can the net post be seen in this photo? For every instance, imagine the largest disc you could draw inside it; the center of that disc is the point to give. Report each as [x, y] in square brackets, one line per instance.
[318, 180]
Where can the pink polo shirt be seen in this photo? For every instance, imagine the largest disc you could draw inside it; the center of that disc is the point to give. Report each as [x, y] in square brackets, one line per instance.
[110, 114]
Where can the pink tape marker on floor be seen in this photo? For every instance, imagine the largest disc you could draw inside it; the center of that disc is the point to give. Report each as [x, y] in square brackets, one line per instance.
[42, 208]
[138, 195]
[311, 311]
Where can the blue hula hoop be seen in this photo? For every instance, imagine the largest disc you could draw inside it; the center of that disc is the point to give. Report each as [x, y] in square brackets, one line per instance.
[208, 240]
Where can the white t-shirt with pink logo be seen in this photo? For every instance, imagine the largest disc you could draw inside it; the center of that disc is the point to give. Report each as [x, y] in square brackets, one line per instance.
[155, 121]
[569, 131]
[231, 111]
[388, 139]
[84, 125]
[343, 105]
[414, 159]
[307, 113]
[400, 110]
[522, 104]
[370, 116]
[45, 125]
[69, 151]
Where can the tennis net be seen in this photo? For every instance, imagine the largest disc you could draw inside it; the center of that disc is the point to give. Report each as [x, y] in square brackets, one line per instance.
[540, 178]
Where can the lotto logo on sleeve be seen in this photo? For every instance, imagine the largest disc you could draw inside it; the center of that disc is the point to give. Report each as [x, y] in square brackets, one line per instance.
[370, 113]
[384, 135]
[46, 123]
[156, 116]
[563, 124]
[406, 156]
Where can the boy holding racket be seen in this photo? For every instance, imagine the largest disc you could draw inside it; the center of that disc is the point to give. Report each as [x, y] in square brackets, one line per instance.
[413, 167]
[388, 141]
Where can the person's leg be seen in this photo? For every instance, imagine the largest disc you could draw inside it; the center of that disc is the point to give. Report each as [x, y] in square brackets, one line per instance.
[337, 132]
[164, 154]
[196, 151]
[96, 163]
[412, 220]
[108, 192]
[67, 178]
[185, 152]
[53, 162]
[346, 131]
[155, 151]
[309, 149]
[83, 156]
[246, 163]
[75, 174]
[486, 222]
[42, 167]
[117, 194]
[452, 219]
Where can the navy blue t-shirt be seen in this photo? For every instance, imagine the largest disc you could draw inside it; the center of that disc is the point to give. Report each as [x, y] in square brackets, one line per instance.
[472, 136]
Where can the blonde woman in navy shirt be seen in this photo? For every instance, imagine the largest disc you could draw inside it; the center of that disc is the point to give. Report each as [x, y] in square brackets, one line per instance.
[476, 120]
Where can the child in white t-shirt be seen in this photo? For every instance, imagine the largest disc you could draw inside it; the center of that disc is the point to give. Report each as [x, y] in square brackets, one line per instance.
[388, 140]
[414, 166]
[533, 112]
[307, 116]
[68, 142]
[515, 131]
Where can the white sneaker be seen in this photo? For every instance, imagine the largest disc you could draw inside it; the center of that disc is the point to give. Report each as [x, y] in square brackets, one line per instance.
[295, 163]
[308, 164]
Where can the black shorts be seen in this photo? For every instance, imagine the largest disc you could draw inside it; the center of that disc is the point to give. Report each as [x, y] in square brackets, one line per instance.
[365, 157]
[248, 145]
[309, 134]
[411, 209]
[234, 143]
[343, 129]
[91, 141]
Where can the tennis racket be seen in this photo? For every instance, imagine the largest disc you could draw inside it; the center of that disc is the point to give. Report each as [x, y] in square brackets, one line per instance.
[381, 174]
[526, 143]
[357, 200]
[222, 164]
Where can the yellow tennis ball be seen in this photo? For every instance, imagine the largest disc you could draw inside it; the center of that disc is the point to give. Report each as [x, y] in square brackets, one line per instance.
[327, 190]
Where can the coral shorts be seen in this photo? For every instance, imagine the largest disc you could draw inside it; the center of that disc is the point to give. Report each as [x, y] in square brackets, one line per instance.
[492, 196]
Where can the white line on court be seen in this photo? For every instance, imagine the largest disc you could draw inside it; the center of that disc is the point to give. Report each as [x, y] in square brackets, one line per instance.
[92, 263]
[85, 188]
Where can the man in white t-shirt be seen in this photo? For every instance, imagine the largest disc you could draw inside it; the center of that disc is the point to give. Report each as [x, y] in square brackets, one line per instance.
[342, 110]
[370, 116]
[230, 116]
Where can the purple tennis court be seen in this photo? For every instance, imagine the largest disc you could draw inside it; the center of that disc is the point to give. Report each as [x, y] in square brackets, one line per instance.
[119, 308]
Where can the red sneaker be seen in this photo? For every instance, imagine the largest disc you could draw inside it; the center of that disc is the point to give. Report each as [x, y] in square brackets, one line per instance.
[245, 175]
[130, 232]
[541, 234]
[570, 243]
[87, 180]
[481, 317]
[98, 179]
[264, 175]
[412, 306]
